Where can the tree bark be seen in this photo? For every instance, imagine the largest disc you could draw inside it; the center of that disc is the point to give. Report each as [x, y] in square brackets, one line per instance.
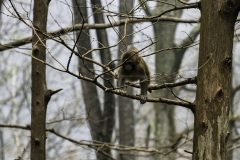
[166, 63]
[1, 1]
[165, 132]
[101, 122]
[1, 133]
[92, 103]
[126, 108]
[214, 79]
[105, 55]
[40, 97]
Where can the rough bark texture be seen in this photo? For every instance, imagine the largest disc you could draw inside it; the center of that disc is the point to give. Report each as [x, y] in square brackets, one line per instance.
[40, 97]
[214, 79]
[125, 111]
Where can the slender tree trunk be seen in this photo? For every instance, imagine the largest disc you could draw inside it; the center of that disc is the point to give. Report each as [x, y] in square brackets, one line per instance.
[101, 122]
[2, 146]
[92, 103]
[40, 97]
[105, 55]
[166, 63]
[109, 99]
[1, 133]
[1, 1]
[164, 115]
[165, 132]
[214, 79]
[126, 109]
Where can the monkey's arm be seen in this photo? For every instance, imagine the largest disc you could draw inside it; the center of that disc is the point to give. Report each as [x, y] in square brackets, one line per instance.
[144, 88]
[144, 77]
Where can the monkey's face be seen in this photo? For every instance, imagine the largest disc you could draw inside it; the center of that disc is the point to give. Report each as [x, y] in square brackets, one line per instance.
[128, 66]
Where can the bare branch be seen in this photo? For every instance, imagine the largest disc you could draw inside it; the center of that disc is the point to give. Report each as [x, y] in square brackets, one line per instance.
[188, 105]
[54, 92]
[77, 27]
[168, 85]
[235, 90]
[145, 7]
[92, 144]
[187, 3]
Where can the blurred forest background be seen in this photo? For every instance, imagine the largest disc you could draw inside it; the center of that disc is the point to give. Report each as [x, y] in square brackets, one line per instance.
[82, 120]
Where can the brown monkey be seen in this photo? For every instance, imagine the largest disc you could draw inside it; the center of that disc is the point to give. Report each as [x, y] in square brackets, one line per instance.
[134, 68]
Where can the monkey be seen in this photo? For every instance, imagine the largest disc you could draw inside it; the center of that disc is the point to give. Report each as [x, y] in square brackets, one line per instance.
[134, 68]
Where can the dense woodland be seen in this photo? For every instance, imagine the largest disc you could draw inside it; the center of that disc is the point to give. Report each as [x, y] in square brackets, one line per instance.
[60, 61]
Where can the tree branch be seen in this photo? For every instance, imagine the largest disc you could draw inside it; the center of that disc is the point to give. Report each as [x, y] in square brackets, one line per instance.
[167, 85]
[77, 27]
[97, 145]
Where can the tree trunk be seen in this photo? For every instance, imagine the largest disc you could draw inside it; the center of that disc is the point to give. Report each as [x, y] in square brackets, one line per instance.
[40, 97]
[101, 122]
[1, 1]
[165, 132]
[164, 115]
[92, 104]
[166, 63]
[1, 133]
[214, 79]
[126, 109]
[105, 55]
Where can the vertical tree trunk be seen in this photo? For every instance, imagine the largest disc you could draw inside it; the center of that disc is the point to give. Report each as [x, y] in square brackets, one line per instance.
[1, 1]
[2, 146]
[214, 79]
[101, 122]
[126, 109]
[165, 132]
[90, 95]
[105, 55]
[39, 88]
[91, 102]
[166, 63]
[1, 133]
[109, 99]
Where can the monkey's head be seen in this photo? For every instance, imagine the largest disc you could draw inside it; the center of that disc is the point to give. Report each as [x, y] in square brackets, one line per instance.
[128, 66]
[130, 59]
